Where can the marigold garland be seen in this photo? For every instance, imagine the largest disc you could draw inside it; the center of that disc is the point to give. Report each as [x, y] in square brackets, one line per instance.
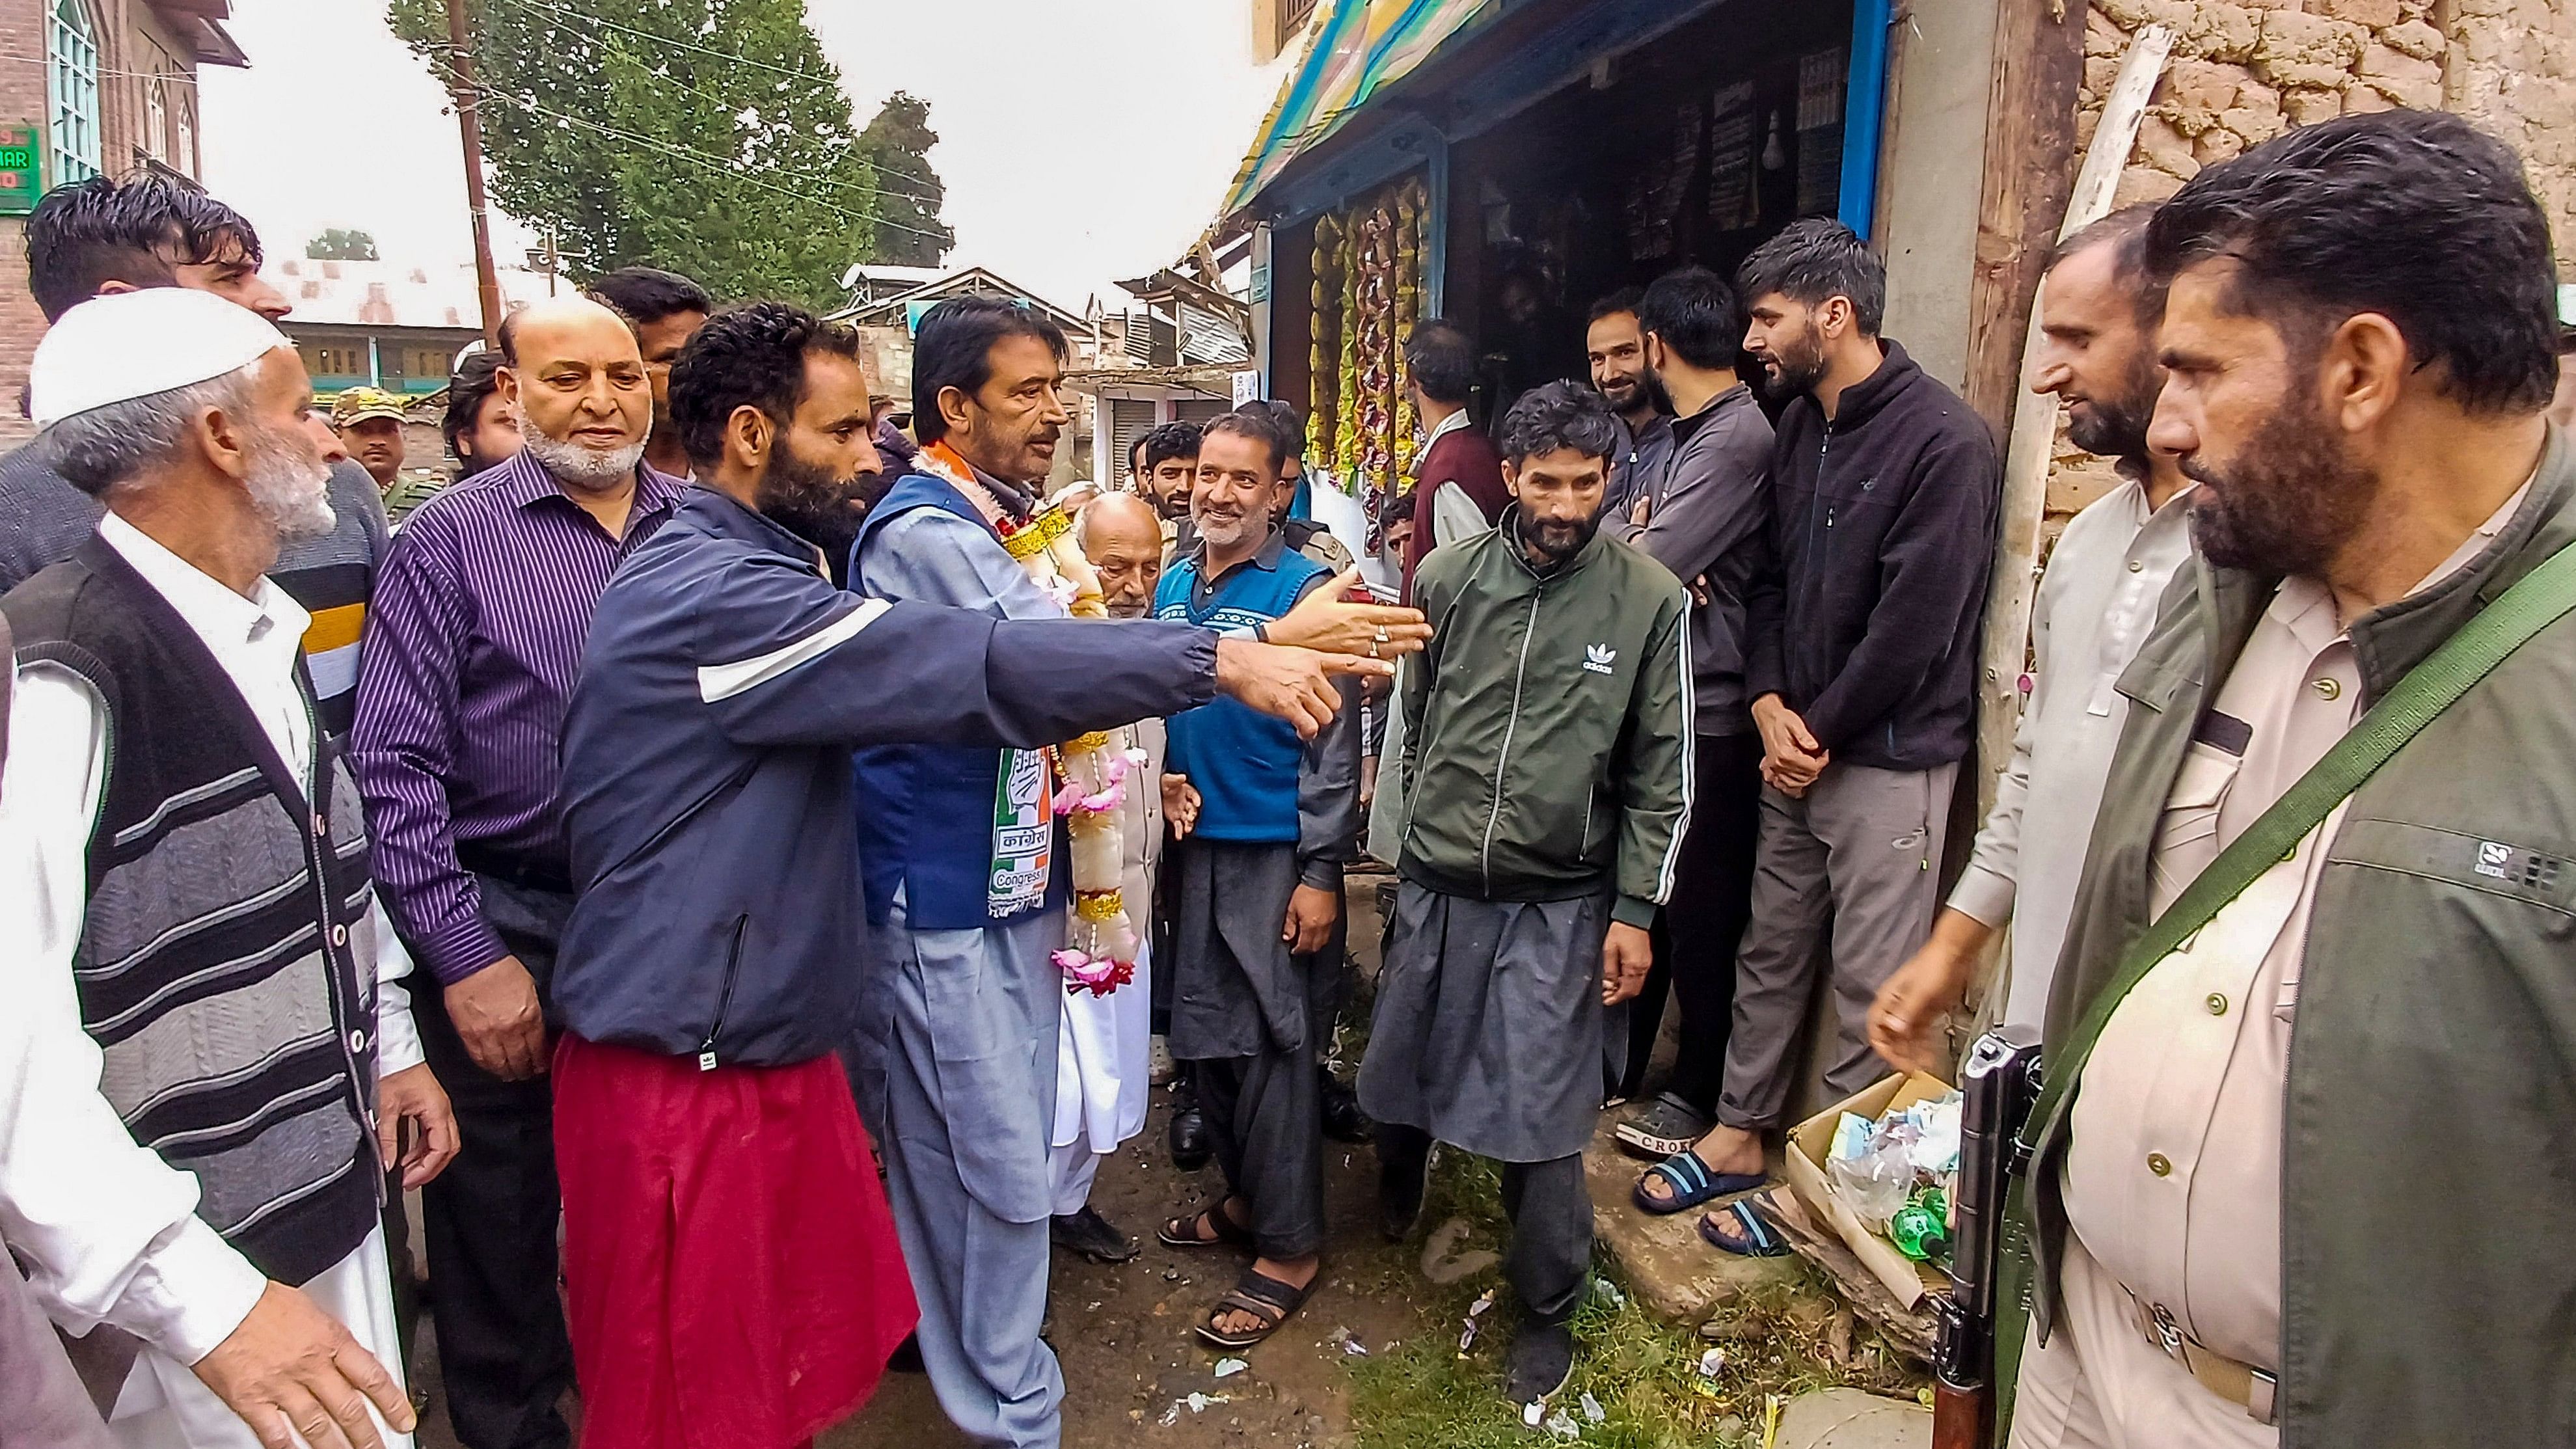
[1091, 771]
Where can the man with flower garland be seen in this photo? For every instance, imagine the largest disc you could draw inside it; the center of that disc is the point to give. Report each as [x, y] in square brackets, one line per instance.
[968, 886]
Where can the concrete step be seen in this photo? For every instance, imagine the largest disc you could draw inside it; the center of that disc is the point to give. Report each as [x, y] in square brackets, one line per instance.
[1674, 1274]
[1851, 1419]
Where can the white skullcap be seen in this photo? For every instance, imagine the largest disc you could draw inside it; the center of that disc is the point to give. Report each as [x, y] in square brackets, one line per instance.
[127, 345]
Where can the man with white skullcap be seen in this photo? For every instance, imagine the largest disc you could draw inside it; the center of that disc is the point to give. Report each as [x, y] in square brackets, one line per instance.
[206, 1060]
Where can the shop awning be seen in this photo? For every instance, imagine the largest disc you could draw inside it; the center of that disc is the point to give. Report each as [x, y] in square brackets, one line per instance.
[1358, 47]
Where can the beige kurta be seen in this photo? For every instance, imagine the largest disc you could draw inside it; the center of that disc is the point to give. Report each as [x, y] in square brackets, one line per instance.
[2173, 1169]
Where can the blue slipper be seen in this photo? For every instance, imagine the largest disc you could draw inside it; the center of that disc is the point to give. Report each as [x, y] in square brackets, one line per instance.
[1692, 1182]
[1738, 1229]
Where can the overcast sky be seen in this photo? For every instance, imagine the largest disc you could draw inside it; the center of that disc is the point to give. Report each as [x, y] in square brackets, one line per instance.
[1082, 140]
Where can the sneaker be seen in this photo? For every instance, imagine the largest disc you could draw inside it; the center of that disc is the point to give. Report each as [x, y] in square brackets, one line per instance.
[1541, 1360]
[1093, 1236]
[1664, 1126]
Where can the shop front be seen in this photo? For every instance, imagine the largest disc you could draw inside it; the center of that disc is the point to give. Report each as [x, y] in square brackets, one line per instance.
[1506, 164]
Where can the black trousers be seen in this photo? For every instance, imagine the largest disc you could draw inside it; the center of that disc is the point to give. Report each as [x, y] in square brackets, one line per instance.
[504, 1354]
[1549, 1260]
[1701, 925]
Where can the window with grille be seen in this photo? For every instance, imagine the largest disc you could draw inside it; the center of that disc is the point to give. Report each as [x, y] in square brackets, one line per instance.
[1293, 15]
[1129, 419]
[156, 119]
[71, 92]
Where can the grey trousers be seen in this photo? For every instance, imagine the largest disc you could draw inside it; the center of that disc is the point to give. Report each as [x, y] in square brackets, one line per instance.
[957, 1065]
[1861, 850]
[1549, 1262]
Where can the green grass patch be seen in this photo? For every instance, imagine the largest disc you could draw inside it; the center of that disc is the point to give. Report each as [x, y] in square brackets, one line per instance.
[1644, 1376]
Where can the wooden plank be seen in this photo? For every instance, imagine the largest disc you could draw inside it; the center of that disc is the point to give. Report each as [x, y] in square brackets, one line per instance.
[2033, 435]
[2037, 78]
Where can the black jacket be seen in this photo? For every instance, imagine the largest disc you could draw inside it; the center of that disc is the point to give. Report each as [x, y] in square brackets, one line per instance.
[1883, 527]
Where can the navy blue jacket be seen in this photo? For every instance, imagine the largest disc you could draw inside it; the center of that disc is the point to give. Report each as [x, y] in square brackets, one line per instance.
[927, 812]
[706, 756]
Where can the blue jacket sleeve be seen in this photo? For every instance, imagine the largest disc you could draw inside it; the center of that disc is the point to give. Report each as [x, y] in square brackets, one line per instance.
[784, 658]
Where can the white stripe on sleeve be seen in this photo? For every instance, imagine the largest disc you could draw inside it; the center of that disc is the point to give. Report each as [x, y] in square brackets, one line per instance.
[719, 682]
[1666, 876]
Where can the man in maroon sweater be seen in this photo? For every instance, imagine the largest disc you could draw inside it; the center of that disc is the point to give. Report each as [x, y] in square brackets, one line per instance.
[1460, 489]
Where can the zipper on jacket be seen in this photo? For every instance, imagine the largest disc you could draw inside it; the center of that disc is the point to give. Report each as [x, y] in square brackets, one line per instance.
[1502, 762]
[724, 998]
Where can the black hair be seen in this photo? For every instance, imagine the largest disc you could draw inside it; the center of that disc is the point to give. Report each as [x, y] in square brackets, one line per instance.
[1623, 300]
[646, 295]
[1441, 359]
[139, 231]
[953, 347]
[1814, 260]
[473, 383]
[1556, 415]
[2415, 215]
[1136, 455]
[1290, 423]
[1395, 508]
[2125, 232]
[752, 355]
[1171, 440]
[1695, 313]
[1252, 420]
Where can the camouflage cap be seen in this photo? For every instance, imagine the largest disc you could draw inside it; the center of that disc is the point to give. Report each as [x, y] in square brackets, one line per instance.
[357, 404]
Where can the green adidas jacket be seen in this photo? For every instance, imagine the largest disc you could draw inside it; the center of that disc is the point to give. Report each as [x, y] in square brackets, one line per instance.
[2428, 1216]
[1548, 725]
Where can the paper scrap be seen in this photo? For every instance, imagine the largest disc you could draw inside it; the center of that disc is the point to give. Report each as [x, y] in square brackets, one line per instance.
[1712, 1363]
[1592, 1410]
[1562, 1425]
[1532, 1411]
[1227, 1368]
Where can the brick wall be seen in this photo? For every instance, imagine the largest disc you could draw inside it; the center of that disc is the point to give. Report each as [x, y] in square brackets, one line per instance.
[22, 98]
[2243, 73]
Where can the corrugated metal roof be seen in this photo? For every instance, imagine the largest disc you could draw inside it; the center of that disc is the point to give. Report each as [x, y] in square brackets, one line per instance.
[395, 294]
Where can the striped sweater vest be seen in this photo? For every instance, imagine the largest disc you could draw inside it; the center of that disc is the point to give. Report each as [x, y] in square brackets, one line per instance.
[224, 967]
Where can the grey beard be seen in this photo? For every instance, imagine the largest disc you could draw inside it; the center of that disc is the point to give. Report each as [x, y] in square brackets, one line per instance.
[288, 495]
[581, 466]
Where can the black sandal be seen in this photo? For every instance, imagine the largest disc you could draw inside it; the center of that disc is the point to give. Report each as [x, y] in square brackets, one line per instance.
[1182, 1232]
[1265, 1298]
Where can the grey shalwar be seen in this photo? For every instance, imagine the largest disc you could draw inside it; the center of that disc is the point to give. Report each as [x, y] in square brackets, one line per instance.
[957, 1073]
[957, 1064]
[1251, 1014]
[1491, 1036]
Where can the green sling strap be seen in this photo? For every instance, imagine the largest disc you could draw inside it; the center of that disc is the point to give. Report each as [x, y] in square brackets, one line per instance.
[2538, 600]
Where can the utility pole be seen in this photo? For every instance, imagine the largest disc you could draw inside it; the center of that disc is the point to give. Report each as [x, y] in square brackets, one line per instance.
[469, 122]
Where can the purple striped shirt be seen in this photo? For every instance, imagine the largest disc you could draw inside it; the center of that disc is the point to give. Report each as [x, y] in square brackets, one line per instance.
[472, 642]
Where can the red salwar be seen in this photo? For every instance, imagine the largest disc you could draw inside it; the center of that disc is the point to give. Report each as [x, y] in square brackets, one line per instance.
[732, 1268]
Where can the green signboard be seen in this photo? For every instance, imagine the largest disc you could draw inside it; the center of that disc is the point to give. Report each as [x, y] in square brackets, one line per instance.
[20, 179]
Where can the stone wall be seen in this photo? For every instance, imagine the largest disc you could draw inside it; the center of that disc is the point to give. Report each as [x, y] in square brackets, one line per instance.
[2243, 73]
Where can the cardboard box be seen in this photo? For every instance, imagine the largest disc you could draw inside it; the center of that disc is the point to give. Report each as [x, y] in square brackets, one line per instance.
[1904, 1277]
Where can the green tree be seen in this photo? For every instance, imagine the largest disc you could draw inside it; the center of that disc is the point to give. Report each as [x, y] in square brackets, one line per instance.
[897, 143]
[341, 244]
[709, 137]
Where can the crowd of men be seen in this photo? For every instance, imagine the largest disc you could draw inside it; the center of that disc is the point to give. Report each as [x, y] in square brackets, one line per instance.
[651, 845]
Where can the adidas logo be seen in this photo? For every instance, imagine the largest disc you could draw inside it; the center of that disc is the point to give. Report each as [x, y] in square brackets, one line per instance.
[1599, 658]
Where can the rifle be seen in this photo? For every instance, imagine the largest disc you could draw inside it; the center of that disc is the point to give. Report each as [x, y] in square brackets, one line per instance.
[1999, 1082]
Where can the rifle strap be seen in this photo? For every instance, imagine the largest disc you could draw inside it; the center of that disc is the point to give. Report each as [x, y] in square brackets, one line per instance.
[2539, 599]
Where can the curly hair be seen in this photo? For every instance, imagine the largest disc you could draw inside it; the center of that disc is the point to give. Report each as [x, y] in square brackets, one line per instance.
[1559, 415]
[748, 356]
[1169, 441]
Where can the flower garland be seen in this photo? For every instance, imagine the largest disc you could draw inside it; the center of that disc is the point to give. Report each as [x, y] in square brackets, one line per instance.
[1092, 772]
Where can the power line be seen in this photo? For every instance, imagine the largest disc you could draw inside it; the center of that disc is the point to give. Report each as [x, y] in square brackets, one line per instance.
[733, 109]
[726, 55]
[732, 168]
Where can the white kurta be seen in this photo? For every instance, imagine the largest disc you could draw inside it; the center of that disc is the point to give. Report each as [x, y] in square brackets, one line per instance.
[1102, 1063]
[108, 1231]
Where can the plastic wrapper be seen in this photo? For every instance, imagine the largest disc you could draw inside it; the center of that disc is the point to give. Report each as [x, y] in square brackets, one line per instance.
[1877, 1167]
